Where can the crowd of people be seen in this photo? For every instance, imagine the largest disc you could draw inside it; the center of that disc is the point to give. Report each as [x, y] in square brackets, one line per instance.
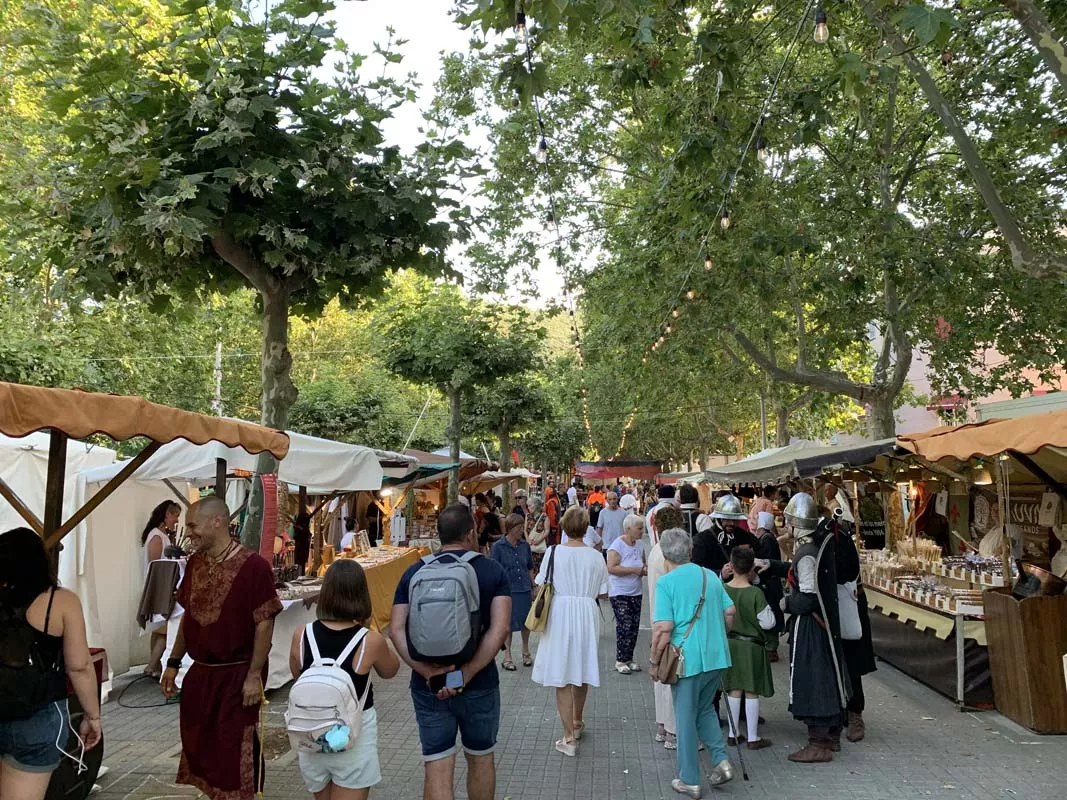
[720, 595]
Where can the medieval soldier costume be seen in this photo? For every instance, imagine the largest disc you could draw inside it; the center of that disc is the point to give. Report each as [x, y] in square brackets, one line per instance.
[818, 680]
[859, 652]
[719, 534]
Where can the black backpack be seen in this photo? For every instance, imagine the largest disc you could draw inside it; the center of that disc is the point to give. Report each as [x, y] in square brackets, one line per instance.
[27, 680]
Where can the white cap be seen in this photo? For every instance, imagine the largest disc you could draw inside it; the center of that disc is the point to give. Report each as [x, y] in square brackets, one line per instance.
[627, 501]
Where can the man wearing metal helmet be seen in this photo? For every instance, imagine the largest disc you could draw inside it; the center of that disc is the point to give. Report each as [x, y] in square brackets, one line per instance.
[718, 534]
[818, 680]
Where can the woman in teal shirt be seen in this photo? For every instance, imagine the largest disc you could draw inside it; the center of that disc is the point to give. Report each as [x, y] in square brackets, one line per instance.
[706, 653]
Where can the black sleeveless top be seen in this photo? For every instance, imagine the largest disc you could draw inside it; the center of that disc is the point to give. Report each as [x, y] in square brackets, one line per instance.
[331, 643]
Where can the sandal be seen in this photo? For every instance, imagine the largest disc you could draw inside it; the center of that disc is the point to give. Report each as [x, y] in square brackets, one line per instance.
[670, 744]
[567, 748]
[621, 668]
[659, 737]
[634, 666]
[527, 660]
[509, 665]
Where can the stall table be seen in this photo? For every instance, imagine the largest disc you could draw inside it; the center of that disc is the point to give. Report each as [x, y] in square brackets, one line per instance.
[946, 650]
[383, 575]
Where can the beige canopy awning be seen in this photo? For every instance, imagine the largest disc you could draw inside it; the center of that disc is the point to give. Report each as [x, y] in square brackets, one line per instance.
[71, 413]
[1037, 445]
[26, 409]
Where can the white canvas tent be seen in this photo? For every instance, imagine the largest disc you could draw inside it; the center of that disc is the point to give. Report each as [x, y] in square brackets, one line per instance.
[24, 467]
[110, 571]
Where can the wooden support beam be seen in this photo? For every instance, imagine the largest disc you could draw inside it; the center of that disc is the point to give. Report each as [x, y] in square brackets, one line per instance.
[23, 510]
[131, 466]
[54, 485]
[181, 497]
[220, 478]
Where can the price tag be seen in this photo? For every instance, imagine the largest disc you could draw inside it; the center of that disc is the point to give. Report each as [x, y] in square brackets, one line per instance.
[1048, 515]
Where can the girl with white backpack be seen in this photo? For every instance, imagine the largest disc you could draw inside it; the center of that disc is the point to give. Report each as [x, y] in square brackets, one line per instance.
[331, 719]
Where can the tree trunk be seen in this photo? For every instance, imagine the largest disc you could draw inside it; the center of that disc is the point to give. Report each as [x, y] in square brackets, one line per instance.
[703, 456]
[278, 396]
[455, 427]
[781, 424]
[1042, 37]
[504, 435]
[883, 420]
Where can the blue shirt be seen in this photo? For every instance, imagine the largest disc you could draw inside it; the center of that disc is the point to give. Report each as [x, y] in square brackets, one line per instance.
[677, 598]
[517, 562]
[492, 583]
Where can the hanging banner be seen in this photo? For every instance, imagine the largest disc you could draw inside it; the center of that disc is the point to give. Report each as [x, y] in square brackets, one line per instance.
[270, 516]
[1024, 511]
[872, 519]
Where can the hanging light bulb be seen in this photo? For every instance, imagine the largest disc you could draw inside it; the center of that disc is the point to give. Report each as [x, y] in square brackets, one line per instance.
[675, 313]
[691, 294]
[550, 220]
[644, 359]
[542, 150]
[668, 329]
[725, 221]
[520, 22]
[822, 30]
[708, 263]
[761, 149]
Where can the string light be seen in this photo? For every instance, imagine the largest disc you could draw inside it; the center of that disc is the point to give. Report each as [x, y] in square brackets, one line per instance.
[520, 23]
[542, 151]
[708, 263]
[725, 221]
[761, 149]
[691, 294]
[822, 30]
[668, 329]
[675, 313]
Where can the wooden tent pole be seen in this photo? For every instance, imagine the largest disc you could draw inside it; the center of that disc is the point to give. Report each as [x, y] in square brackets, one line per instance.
[54, 486]
[23, 510]
[220, 478]
[131, 466]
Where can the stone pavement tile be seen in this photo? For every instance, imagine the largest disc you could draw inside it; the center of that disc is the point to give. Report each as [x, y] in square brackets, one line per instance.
[918, 746]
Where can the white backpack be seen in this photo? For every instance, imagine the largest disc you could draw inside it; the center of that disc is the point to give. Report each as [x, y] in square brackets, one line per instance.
[325, 713]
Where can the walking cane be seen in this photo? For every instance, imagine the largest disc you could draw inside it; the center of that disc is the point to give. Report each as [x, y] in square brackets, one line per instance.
[736, 738]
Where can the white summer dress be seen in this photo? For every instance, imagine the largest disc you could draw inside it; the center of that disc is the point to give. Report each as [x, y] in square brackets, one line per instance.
[567, 654]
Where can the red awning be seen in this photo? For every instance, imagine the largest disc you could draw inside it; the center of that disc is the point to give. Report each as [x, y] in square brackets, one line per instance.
[607, 470]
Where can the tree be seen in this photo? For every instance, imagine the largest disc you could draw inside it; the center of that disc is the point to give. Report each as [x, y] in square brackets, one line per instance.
[201, 148]
[866, 224]
[434, 334]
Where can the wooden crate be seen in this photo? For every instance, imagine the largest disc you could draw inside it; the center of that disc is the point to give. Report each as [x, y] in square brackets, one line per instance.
[1027, 639]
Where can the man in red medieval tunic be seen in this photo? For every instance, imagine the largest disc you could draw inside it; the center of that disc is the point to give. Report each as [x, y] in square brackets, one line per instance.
[230, 604]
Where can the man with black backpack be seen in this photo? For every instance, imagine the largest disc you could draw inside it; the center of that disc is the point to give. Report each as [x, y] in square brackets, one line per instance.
[451, 614]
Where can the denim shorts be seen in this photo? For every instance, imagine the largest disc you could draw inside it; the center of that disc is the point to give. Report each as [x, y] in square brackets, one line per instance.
[30, 745]
[474, 715]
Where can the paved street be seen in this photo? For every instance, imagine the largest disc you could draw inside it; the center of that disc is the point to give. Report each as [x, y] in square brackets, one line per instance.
[917, 745]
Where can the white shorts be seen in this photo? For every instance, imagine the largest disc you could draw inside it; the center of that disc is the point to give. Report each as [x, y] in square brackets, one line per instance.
[357, 768]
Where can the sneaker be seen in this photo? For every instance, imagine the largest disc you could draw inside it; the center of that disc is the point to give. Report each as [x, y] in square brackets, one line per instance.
[634, 666]
[723, 773]
[670, 744]
[687, 789]
[622, 668]
[569, 749]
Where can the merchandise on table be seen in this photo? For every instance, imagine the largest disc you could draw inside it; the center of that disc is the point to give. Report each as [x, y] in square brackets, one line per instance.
[953, 584]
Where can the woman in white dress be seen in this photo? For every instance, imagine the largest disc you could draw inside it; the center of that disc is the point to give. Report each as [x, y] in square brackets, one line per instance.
[567, 657]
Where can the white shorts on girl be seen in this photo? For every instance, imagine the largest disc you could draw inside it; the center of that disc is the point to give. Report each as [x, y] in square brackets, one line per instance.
[357, 768]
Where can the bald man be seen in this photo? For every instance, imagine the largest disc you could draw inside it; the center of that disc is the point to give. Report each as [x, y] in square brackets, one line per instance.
[230, 604]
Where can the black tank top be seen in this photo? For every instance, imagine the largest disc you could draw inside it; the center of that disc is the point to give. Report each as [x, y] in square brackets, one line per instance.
[331, 643]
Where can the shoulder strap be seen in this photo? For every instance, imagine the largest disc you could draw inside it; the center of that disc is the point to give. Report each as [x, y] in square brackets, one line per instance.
[700, 605]
[48, 611]
[469, 556]
[309, 632]
[551, 571]
[350, 648]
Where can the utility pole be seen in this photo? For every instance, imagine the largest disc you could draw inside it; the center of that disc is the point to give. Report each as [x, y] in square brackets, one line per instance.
[216, 404]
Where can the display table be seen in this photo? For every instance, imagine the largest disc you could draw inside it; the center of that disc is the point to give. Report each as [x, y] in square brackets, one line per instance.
[383, 567]
[946, 651]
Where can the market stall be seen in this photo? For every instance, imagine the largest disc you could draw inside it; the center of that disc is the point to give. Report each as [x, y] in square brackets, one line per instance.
[108, 547]
[66, 415]
[1026, 626]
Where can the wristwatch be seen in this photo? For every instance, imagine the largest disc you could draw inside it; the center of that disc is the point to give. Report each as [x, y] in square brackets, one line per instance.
[174, 663]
